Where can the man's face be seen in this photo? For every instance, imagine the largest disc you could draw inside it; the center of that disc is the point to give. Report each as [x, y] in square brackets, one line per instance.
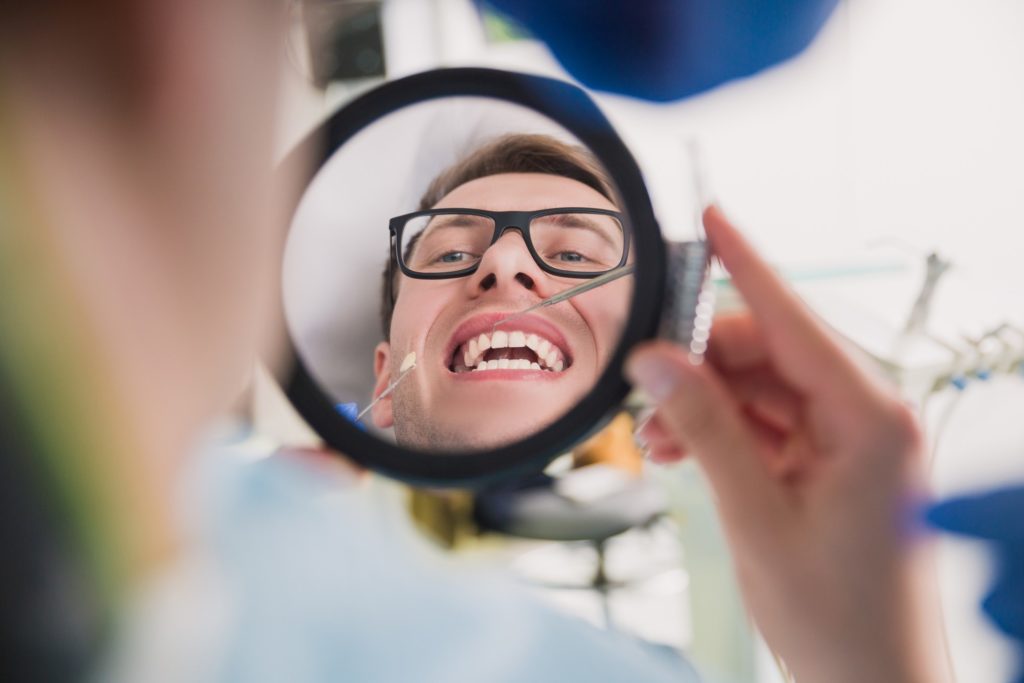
[449, 402]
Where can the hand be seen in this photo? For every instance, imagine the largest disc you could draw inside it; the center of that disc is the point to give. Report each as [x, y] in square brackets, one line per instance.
[815, 464]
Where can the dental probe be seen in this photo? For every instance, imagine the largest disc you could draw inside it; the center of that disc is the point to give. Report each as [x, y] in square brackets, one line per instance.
[408, 364]
[585, 286]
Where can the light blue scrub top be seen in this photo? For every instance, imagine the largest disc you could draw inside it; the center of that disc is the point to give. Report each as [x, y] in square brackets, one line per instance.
[325, 586]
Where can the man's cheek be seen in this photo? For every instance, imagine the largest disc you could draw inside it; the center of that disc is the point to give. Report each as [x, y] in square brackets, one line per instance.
[383, 414]
[412, 324]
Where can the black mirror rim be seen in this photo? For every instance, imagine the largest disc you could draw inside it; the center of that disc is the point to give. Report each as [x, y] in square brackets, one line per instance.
[568, 106]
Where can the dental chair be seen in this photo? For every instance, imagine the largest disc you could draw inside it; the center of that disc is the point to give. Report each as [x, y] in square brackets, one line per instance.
[592, 504]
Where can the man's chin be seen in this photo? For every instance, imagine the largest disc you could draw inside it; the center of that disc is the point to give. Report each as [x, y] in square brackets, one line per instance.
[459, 437]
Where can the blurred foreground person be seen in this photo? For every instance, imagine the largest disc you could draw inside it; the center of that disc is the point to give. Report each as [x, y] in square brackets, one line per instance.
[138, 257]
[135, 247]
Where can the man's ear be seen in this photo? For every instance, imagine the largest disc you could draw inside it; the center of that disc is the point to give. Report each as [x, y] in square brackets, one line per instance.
[383, 417]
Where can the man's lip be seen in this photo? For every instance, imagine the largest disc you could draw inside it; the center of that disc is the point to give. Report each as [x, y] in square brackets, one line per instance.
[485, 322]
[509, 375]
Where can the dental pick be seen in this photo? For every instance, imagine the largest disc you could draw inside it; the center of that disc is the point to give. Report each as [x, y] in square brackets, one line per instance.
[408, 364]
[585, 286]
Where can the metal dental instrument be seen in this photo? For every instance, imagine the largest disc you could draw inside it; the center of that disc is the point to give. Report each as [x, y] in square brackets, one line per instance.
[566, 294]
[917, 322]
[689, 296]
[408, 365]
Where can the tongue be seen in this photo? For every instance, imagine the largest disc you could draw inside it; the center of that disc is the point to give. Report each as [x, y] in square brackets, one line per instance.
[518, 353]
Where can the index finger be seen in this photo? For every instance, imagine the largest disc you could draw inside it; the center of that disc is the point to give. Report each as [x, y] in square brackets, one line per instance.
[803, 351]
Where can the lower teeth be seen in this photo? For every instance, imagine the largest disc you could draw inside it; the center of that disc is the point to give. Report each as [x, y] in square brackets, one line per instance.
[506, 364]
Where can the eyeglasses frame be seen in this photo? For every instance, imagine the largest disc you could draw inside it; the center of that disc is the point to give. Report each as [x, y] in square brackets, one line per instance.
[503, 221]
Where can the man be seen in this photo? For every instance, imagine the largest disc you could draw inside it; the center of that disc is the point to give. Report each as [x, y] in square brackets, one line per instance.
[477, 385]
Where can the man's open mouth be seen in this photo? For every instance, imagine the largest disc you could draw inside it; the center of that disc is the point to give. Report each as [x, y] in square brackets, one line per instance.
[509, 350]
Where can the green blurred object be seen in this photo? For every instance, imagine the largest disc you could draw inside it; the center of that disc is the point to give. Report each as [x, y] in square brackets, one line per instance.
[61, 569]
[499, 28]
[723, 644]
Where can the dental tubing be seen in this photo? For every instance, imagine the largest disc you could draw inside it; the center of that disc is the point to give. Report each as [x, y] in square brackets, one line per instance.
[408, 364]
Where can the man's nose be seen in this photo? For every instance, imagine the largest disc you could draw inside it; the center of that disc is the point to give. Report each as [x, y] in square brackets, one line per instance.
[506, 263]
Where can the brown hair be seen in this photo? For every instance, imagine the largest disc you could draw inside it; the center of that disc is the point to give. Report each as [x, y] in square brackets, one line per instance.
[515, 153]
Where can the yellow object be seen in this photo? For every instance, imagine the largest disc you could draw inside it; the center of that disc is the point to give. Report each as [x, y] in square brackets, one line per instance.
[613, 446]
[446, 517]
[408, 362]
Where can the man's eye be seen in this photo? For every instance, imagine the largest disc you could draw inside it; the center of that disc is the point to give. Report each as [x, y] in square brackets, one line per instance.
[570, 257]
[453, 257]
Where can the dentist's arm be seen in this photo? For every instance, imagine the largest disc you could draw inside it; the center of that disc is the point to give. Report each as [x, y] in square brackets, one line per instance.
[815, 464]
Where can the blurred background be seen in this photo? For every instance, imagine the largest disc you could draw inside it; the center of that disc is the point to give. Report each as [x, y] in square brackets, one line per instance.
[881, 171]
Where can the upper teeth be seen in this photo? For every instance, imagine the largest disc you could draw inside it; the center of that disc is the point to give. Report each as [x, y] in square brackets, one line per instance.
[549, 356]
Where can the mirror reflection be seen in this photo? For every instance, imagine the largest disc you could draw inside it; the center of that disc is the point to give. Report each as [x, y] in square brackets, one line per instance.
[419, 261]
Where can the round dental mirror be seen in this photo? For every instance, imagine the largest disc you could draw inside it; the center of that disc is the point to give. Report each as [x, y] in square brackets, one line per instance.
[470, 257]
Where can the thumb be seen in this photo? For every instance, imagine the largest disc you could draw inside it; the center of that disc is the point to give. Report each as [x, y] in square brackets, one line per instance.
[697, 409]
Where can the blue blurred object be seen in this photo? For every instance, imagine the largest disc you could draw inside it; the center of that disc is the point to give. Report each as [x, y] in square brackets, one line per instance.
[350, 411]
[665, 50]
[298, 576]
[998, 518]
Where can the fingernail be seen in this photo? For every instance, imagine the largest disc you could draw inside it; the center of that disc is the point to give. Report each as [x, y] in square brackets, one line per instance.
[656, 376]
[715, 211]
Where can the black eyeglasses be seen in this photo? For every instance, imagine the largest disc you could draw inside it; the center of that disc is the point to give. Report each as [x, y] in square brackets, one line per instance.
[569, 242]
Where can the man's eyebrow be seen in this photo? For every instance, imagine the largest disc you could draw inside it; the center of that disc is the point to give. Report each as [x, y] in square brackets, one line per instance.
[451, 220]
